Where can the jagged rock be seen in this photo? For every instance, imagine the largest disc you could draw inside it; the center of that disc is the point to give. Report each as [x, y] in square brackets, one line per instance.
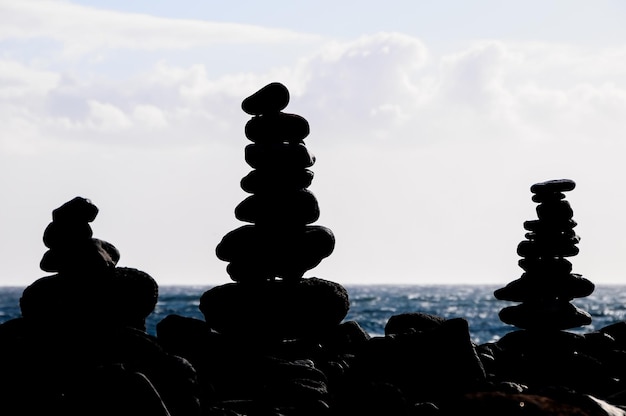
[426, 365]
[277, 128]
[272, 98]
[412, 322]
[275, 310]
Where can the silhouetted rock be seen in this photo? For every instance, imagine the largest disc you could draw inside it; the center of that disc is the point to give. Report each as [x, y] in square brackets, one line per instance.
[297, 207]
[69, 237]
[272, 98]
[81, 346]
[276, 180]
[412, 322]
[278, 156]
[548, 285]
[425, 365]
[275, 310]
[280, 244]
[277, 128]
[498, 403]
[263, 253]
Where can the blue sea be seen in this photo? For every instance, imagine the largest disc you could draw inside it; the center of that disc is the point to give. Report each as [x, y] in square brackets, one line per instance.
[371, 306]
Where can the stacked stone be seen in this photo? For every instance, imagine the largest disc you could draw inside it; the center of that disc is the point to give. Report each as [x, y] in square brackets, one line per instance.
[70, 242]
[280, 243]
[547, 285]
[268, 257]
[87, 286]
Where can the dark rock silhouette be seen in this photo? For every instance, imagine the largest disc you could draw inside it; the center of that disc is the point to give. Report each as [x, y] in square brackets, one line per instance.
[276, 337]
[80, 346]
[547, 286]
[274, 342]
[281, 243]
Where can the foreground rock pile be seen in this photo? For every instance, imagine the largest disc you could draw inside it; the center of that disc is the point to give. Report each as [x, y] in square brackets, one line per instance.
[80, 346]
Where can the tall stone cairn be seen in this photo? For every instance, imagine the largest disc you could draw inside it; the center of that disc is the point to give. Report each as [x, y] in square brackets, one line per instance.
[268, 257]
[547, 285]
[280, 242]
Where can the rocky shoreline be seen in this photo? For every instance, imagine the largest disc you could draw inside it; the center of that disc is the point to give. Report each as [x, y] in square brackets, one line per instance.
[273, 342]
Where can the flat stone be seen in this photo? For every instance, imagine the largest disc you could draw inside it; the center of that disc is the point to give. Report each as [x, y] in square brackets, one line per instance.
[272, 98]
[263, 253]
[58, 234]
[92, 256]
[538, 286]
[299, 207]
[534, 249]
[278, 156]
[276, 180]
[553, 236]
[553, 186]
[77, 210]
[554, 211]
[276, 310]
[277, 128]
[543, 197]
[545, 315]
[546, 265]
[557, 225]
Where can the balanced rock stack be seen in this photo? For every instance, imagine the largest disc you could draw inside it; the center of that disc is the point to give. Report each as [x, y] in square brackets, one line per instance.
[548, 284]
[268, 257]
[88, 286]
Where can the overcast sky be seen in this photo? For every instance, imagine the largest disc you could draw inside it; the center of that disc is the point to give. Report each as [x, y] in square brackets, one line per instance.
[429, 121]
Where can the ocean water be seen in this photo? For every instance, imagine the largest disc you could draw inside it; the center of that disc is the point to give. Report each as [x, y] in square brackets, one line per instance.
[372, 306]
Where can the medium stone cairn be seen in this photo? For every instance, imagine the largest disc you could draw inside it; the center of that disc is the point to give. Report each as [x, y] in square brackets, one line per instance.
[88, 286]
[547, 285]
[268, 257]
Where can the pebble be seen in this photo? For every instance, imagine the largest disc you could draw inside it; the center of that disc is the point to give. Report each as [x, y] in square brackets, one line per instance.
[272, 98]
[276, 180]
[277, 128]
[278, 156]
[553, 186]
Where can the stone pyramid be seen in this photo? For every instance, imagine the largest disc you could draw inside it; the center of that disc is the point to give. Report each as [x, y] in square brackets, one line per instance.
[547, 285]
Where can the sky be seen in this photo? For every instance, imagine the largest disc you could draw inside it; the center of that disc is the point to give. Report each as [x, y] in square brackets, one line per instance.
[429, 123]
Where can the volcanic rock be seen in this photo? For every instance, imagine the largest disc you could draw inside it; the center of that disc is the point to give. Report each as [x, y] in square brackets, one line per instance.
[275, 310]
[272, 98]
[277, 128]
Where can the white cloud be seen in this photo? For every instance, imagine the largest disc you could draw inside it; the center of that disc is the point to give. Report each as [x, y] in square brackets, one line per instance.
[83, 30]
[18, 80]
[424, 160]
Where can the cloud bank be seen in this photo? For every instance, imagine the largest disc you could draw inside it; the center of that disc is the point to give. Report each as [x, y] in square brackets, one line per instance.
[424, 158]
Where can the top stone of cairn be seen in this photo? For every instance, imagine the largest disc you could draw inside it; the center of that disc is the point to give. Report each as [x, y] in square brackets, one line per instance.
[553, 186]
[272, 98]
